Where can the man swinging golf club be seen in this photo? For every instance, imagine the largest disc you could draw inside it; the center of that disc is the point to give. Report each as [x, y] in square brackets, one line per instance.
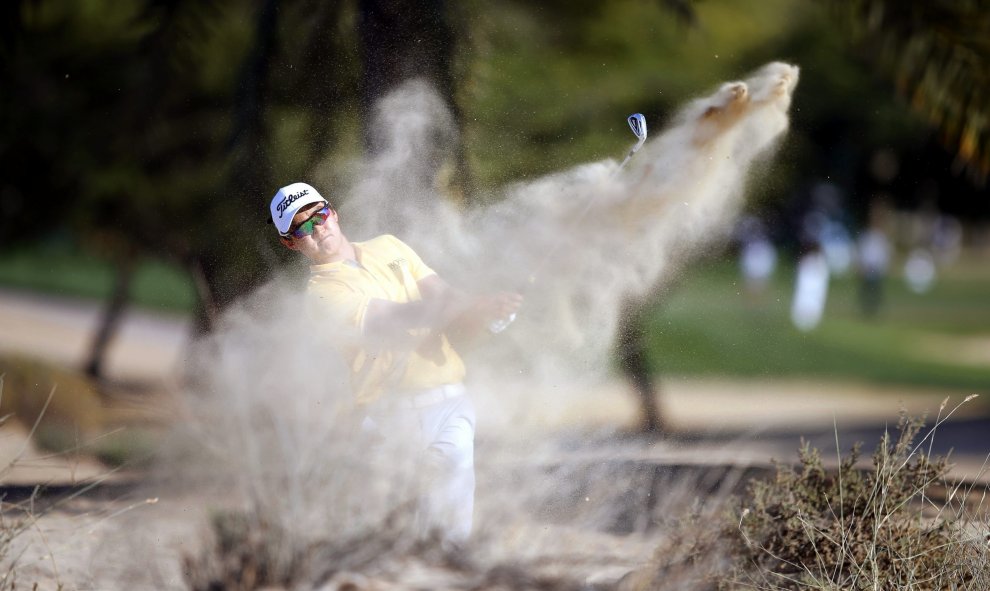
[395, 313]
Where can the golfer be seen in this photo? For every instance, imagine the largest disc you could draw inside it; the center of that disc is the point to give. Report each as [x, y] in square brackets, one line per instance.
[395, 314]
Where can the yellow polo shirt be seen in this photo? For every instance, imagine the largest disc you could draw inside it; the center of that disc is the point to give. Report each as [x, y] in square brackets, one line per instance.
[386, 269]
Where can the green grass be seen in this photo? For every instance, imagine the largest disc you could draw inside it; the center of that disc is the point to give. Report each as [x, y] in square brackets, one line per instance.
[156, 285]
[706, 325]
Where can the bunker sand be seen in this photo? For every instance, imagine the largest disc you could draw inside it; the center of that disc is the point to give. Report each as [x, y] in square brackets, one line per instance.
[712, 422]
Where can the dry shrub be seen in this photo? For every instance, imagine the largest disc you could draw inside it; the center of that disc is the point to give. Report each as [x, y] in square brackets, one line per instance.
[248, 553]
[828, 529]
[64, 404]
[252, 553]
[248, 550]
[689, 558]
[858, 529]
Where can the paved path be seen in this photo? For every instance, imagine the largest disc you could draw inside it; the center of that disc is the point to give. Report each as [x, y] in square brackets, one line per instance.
[720, 421]
[147, 347]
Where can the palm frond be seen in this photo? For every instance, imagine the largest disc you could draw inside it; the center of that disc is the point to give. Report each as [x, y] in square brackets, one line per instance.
[937, 53]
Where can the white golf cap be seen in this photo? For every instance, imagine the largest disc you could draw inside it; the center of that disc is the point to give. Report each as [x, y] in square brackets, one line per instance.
[289, 200]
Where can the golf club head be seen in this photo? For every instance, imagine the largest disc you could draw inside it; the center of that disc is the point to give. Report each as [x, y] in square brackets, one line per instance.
[638, 125]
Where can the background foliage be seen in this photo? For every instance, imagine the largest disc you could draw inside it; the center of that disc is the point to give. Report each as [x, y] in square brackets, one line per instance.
[144, 130]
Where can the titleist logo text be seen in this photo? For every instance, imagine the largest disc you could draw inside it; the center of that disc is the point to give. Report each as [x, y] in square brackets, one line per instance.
[283, 204]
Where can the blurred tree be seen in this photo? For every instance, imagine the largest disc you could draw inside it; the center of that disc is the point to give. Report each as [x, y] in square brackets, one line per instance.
[85, 84]
[938, 53]
[117, 131]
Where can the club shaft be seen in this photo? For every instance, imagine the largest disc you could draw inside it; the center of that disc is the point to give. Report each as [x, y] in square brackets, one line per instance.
[499, 325]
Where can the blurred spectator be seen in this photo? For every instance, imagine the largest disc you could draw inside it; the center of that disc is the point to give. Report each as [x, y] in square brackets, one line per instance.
[811, 288]
[946, 239]
[919, 270]
[757, 256]
[874, 258]
[823, 223]
[837, 246]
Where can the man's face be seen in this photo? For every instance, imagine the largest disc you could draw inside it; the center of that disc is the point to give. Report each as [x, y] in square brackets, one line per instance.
[324, 244]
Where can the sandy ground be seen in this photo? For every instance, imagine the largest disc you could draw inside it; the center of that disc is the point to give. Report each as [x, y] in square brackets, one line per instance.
[710, 422]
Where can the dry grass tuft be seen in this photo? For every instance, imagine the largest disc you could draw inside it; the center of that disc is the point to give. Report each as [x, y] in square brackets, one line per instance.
[251, 553]
[812, 528]
[248, 552]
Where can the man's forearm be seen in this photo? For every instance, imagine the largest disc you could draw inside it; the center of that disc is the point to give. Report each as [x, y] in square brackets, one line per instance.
[391, 319]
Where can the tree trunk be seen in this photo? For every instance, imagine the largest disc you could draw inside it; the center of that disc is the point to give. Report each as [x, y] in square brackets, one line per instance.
[401, 40]
[112, 314]
[206, 313]
[222, 276]
[631, 352]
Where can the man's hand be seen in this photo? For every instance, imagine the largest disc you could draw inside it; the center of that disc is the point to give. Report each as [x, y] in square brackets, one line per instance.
[498, 306]
[483, 311]
[442, 308]
[466, 309]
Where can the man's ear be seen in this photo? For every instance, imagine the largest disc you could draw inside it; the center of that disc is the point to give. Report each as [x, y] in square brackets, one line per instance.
[288, 243]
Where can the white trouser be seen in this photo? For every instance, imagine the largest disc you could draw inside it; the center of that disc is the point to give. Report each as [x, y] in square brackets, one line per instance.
[444, 430]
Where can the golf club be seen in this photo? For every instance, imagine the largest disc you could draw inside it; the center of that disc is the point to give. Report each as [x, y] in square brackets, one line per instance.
[637, 123]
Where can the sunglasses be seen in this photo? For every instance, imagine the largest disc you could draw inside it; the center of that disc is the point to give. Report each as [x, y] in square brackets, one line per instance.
[306, 228]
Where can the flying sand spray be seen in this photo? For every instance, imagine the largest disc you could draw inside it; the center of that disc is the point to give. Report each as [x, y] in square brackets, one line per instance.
[637, 123]
[272, 438]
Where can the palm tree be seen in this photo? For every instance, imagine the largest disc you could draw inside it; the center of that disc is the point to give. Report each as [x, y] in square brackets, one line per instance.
[938, 54]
